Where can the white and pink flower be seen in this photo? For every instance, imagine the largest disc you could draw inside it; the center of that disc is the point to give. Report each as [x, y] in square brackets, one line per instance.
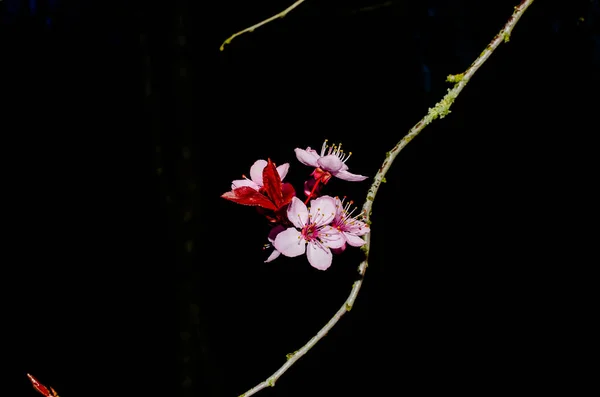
[351, 226]
[312, 233]
[330, 162]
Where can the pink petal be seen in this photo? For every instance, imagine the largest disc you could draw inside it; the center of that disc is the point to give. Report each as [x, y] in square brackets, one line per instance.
[274, 255]
[307, 157]
[319, 257]
[331, 163]
[290, 243]
[322, 210]
[256, 171]
[331, 237]
[354, 240]
[244, 182]
[282, 170]
[357, 228]
[347, 176]
[297, 213]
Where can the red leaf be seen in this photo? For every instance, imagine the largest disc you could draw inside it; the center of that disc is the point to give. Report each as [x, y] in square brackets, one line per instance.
[247, 196]
[288, 193]
[39, 387]
[272, 184]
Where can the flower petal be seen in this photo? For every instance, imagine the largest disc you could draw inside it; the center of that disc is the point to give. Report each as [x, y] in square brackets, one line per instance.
[290, 243]
[357, 228]
[256, 171]
[307, 157]
[297, 213]
[274, 255]
[347, 176]
[354, 240]
[282, 170]
[331, 163]
[244, 182]
[318, 256]
[331, 237]
[322, 210]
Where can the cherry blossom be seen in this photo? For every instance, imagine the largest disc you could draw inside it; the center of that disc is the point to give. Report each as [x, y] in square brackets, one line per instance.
[351, 226]
[330, 162]
[312, 233]
[256, 175]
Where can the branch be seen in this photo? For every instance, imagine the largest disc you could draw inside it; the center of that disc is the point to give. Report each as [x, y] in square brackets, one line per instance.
[440, 110]
[258, 25]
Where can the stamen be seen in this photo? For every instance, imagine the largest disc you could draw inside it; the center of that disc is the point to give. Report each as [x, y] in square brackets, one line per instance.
[323, 148]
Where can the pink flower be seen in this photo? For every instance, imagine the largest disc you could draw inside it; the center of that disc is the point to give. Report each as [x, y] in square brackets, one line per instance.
[312, 233]
[351, 227]
[256, 175]
[330, 162]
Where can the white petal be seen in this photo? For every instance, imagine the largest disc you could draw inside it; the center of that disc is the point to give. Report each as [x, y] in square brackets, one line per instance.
[282, 170]
[347, 176]
[322, 210]
[307, 157]
[331, 163]
[331, 237]
[297, 213]
[319, 257]
[354, 240]
[290, 243]
[256, 171]
[274, 255]
[244, 182]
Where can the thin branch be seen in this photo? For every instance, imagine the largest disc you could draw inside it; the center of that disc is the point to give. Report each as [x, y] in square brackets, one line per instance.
[440, 110]
[258, 25]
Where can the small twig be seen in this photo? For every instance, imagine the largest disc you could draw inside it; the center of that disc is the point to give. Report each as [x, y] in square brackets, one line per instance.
[258, 25]
[440, 110]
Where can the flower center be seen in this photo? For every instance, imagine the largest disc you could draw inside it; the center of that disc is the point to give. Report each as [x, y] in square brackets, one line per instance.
[346, 219]
[310, 232]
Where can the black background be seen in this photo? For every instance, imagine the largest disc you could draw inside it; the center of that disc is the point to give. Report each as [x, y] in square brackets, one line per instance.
[125, 273]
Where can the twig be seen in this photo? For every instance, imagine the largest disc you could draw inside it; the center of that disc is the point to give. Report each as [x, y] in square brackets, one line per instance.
[258, 25]
[440, 110]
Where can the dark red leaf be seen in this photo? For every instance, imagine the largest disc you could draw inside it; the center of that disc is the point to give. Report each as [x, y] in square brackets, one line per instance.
[288, 193]
[247, 196]
[38, 386]
[272, 184]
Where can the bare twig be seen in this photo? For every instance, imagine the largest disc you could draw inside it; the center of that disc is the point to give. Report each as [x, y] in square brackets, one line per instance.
[258, 25]
[440, 110]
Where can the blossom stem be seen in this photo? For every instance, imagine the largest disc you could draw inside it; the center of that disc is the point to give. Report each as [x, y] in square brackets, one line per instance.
[258, 25]
[439, 111]
[314, 189]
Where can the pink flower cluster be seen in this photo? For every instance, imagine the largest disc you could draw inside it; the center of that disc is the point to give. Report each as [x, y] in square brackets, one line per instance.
[321, 225]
